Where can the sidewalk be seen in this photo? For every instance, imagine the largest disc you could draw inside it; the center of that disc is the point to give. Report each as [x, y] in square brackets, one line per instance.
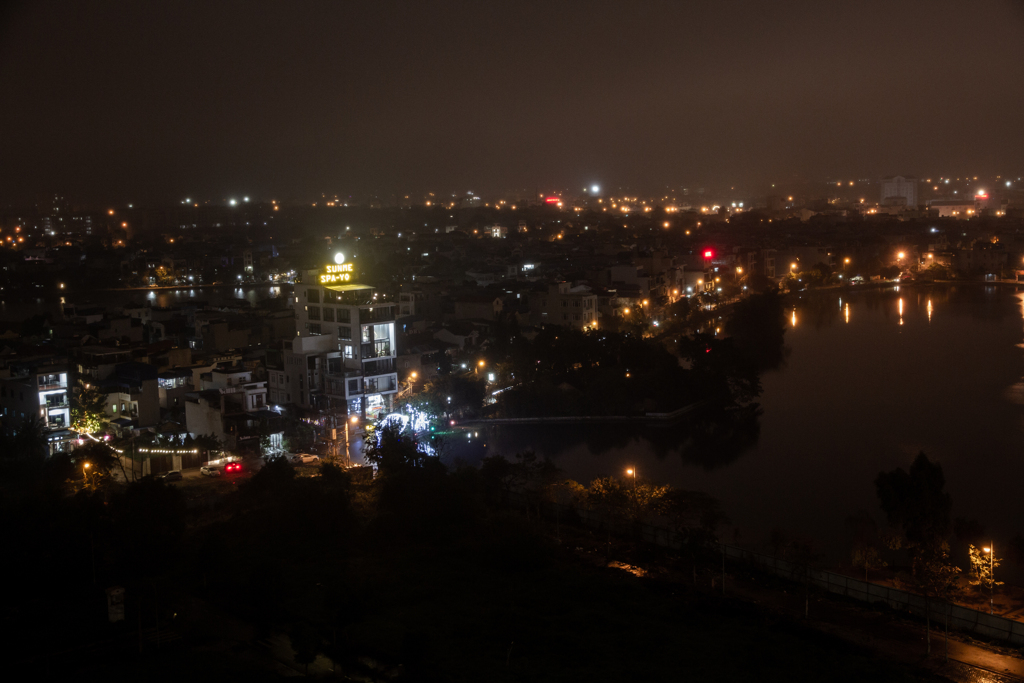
[893, 635]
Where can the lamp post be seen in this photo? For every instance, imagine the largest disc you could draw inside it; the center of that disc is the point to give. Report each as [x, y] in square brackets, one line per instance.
[991, 550]
[85, 472]
[632, 472]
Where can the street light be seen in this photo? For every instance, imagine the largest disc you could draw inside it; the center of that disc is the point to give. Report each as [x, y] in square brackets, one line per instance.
[85, 473]
[632, 472]
[991, 573]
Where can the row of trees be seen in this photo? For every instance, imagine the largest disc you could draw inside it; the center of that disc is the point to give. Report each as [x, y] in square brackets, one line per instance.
[918, 512]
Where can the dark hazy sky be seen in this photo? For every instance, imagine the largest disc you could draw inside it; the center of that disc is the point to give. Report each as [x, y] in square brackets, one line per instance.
[162, 100]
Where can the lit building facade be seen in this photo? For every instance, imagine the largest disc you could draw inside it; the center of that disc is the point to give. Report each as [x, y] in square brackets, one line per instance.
[39, 390]
[353, 365]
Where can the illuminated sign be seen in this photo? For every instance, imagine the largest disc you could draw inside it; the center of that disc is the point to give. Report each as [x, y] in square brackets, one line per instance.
[552, 200]
[337, 272]
[708, 254]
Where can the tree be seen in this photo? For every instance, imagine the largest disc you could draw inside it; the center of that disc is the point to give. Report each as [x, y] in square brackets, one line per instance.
[934, 577]
[29, 439]
[695, 518]
[102, 461]
[392, 449]
[983, 565]
[88, 410]
[916, 503]
[863, 534]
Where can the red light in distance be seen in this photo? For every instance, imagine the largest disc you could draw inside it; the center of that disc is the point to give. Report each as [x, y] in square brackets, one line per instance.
[708, 253]
[552, 200]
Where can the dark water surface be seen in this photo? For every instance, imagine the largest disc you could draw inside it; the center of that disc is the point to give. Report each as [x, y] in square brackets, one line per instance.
[872, 377]
[21, 307]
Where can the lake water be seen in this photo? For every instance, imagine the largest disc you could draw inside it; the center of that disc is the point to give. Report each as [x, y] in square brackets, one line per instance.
[872, 378]
[21, 308]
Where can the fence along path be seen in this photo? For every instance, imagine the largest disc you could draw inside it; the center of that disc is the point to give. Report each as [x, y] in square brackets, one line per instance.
[960, 618]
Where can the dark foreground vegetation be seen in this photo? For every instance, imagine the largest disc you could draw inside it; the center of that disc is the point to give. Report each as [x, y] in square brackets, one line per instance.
[422, 574]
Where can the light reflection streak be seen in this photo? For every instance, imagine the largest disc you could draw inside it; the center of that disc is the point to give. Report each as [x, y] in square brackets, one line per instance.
[846, 310]
[901, 310]
[929, 310]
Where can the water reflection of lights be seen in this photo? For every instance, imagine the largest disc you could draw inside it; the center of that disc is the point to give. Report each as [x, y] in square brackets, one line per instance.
[901, 310]
[793, 318]
[846, 311]
[929, 310]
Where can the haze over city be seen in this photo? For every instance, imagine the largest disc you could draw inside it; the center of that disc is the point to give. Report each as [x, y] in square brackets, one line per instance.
[124, 101]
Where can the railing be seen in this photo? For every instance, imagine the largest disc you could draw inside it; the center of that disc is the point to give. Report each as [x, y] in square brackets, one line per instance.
[961, 618]
[375, 350]
[379, 367]
[381, 384]
[377, 314]
[50, 387]
[335, 385]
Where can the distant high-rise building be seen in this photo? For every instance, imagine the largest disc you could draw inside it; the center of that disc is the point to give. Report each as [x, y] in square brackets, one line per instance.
[899, 190]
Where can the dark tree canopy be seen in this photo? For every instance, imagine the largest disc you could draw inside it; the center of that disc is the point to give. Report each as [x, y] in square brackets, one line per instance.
[917, 503]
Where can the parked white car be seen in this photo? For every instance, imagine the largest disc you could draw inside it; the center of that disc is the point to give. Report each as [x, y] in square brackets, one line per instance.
[304, 458]
[210, 471]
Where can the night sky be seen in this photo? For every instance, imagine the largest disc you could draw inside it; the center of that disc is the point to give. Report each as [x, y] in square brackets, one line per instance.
[159, 101]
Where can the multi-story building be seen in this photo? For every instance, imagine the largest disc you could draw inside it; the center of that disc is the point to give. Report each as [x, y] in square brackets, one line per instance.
[133, 393]
[98, 362]
[233, 408]
[42, 390]
[565, 306]
[899, 190]
[355, 363]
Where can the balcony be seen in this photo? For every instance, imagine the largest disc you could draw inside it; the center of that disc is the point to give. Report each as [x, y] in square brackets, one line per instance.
[379, 367]
[377, 314]
[334, 385]
[381, 349]
[381, 385]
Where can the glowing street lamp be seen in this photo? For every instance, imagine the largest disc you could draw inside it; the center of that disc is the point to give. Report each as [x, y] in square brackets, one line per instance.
[991, 573]
[632, 472]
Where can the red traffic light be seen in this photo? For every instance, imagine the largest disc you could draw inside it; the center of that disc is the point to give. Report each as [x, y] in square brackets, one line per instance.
[708, 253]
